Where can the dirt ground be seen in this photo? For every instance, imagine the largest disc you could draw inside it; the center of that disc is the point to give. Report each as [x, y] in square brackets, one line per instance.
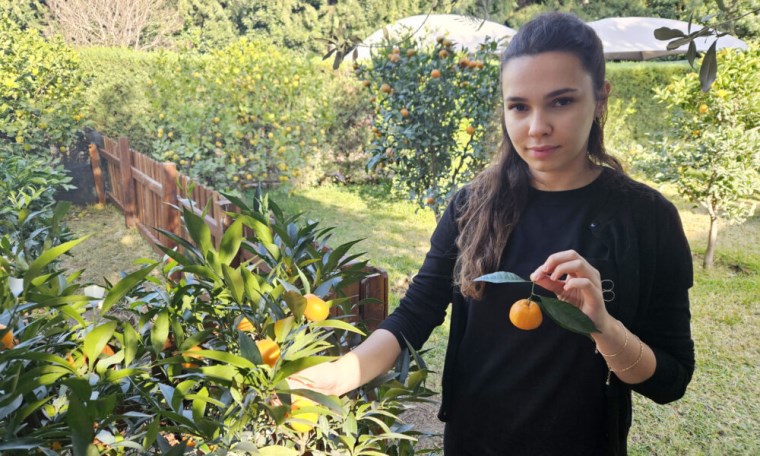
[112, 246]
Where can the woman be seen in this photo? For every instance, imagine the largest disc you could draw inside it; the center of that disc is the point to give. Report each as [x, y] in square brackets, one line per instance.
[558, 209]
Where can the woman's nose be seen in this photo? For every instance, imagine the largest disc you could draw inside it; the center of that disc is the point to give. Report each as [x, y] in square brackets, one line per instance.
[539, 125]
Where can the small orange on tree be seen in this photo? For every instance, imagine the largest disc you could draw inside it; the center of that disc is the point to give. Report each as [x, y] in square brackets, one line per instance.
[245, 325]
[316, 308]
[270, 351]
[7, 341]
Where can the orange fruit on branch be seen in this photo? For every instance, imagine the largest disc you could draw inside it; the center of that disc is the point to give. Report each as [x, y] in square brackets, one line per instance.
[7, 341]
[470, 130]
[316, 308]
[435, 74]
[270, 351]
[307, 420]
[245, 325]
[404, 112]
[525, 314]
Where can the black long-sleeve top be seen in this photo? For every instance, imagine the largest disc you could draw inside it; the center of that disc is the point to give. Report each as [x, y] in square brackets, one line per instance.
[633, 235]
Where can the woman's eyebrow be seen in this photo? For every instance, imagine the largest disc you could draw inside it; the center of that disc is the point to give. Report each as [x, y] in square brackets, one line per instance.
[551, 94]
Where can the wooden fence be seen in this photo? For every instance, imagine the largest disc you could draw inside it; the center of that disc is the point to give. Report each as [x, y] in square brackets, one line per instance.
[148, 192]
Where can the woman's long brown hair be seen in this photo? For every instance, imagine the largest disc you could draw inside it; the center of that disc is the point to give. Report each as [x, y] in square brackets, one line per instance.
[496, 197]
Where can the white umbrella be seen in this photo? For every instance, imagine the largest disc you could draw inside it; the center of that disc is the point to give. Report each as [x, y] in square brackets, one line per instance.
[466, 32]
[632, 38]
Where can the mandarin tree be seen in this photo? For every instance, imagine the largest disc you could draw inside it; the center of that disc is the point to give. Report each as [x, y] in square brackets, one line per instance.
[240, 115]
[41, 91]
[711, 151]
[433, 108]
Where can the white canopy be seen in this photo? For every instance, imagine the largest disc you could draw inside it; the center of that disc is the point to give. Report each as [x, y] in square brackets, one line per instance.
[466, 32]
[632, 38]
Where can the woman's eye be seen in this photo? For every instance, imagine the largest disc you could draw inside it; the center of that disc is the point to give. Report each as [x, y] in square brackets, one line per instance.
[564, 101]
[519, 107]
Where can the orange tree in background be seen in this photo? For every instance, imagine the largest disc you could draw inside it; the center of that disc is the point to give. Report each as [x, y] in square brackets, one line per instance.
[41, 91]
[434, 108]
[249, 112]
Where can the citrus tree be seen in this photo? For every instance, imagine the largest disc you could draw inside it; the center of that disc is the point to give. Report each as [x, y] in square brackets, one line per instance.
[434, 108]
[41, 91]
[711, 150]
[191, 355]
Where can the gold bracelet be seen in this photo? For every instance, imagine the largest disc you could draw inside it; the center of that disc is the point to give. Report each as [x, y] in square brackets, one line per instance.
[625, 344]
[641, 354]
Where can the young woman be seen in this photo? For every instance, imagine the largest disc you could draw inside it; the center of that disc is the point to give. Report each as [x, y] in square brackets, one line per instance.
[558, 209]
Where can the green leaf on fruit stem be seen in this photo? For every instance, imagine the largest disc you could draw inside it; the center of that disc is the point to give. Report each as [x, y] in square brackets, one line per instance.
[501, 277]
[47, 257]
[124, 286]
[709, 69]
[566, 315]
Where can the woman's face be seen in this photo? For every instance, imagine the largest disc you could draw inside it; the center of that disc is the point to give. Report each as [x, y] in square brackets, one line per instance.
[549, 107]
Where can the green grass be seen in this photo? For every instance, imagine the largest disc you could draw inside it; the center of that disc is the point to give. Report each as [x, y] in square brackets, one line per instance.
[721, 410]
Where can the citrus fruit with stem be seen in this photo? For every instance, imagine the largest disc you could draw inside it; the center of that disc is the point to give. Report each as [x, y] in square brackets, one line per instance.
[7, 340]
[525, 314]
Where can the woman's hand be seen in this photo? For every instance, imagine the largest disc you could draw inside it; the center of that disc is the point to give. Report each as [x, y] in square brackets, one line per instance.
[568, 275]
[321, 378]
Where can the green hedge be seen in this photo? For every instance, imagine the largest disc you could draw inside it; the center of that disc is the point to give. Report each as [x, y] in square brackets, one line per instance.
[117, 99]
[633, 83]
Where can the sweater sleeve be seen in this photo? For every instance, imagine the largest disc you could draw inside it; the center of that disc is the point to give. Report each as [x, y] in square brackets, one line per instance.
[424, 305]
[665, 323]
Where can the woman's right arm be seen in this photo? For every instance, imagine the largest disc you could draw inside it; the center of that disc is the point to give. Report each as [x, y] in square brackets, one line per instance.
[419, 312]
[370, 359]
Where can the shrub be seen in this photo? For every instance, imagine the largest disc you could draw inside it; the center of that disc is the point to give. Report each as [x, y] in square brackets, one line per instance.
[194, 359]
[41, 91]
[117, 102]
[29, 216]
[433, 108]
[245, 114]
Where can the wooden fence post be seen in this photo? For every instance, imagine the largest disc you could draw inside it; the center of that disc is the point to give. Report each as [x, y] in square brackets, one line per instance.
[97, 173]
[127, 184]
[169, 212]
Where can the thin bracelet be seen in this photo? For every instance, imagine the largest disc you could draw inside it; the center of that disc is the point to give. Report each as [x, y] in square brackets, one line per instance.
[625, 344]
[611, 370]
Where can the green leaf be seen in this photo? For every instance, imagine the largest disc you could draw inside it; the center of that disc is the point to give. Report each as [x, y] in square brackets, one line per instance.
[231, 241]
[331, 402]
[96, 340]
[80, 423]
[131, 339]
[501, 277]
[566, 315]
[224, 357]
[234, 281]
[125, 285]
[160, 331]
[151, 433]
[291, 367]
[709, 69]
[198, 231]
[296, 303]
[47, 257]
[338, 324]
[248, 348]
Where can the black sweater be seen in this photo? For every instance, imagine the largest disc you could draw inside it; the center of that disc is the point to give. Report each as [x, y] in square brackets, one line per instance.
[634, 237]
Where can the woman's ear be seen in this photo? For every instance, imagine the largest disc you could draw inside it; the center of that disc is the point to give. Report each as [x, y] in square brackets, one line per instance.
[601, 102]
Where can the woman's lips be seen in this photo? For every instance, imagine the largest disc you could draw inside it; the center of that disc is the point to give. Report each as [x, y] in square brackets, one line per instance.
[542, 151]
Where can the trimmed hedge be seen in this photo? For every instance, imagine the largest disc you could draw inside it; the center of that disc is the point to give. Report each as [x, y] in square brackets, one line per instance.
[633, 83]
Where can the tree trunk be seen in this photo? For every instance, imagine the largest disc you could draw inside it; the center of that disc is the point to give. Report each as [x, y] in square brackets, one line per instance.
[711, 241]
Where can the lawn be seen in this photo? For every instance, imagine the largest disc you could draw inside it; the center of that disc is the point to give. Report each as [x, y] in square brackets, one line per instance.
[721, 410]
